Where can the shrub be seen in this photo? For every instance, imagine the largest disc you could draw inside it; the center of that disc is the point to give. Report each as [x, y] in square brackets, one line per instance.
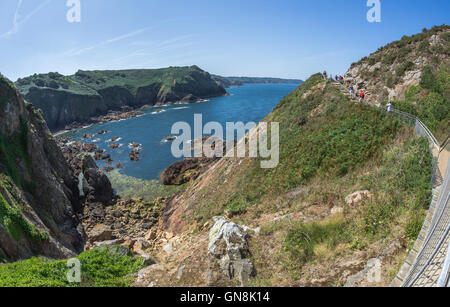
[446, 37]
[303, 238]
[12, 148]
[404, 68]
[389, 58]
[14, 222]
[424, 46]
[99, 268]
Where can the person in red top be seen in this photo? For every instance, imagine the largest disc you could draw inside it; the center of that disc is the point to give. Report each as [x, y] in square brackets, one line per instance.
[361, 95]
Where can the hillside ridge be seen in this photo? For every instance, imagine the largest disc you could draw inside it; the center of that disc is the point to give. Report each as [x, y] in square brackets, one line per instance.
[86, 94]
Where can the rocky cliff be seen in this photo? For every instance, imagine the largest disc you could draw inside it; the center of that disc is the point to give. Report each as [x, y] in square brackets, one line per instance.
[352, 186]
[39, 197]
[68, 99]
[394, 68]
[238, 81]
[414, 73]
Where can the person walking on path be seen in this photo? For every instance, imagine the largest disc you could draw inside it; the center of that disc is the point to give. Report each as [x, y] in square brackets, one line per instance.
[389, 107]
[325, 75]
[362, 95]
[351, 91]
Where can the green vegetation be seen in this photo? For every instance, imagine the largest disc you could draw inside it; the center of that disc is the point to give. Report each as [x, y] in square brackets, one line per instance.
[102, 267]
[91, 82]
[149, 190]
[132, 80]
[404, 68]
[340, 137]
[390, 64]
[233, 81]
[430, 101]
[399, 181]
[399, 50]
[88, 94]
[7, 92]
[303, 240]
[11, 214]
[54, 81]
[402, 192]
[330, 147]
[322, 135]
[12, 149]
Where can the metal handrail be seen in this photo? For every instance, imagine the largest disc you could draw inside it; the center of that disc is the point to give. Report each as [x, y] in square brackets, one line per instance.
[444, 279]
[445, 143]
[435, 238]
[412, 117]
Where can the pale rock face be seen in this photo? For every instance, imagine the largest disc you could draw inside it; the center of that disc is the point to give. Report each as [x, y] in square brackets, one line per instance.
[228, 254]
[357, 197]
[374, 67]
[168, 247]
[370, 275]
[435, 40]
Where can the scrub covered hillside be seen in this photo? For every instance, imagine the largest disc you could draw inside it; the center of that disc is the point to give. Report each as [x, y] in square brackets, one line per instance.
[311, 233]
[414, 72]
[77, 98]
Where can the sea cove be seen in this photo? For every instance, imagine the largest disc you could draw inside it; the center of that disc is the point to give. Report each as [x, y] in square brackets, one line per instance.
[250, 102]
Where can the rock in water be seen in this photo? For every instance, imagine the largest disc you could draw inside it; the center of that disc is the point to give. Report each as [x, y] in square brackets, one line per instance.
[134, 155]
[228, 254]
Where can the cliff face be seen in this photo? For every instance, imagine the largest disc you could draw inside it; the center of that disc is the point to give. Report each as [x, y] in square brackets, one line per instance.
[394, 68]
[238, 81]
[350, 178]
[414, 73]
[38, 193]
[77, 98]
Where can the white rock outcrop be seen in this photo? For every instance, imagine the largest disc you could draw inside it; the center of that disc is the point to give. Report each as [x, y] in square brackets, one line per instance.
[228, 254]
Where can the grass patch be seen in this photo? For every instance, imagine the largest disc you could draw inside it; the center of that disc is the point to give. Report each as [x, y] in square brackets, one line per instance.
[330, 144]
[402, 190]
[12, 149]
[400, 183]
[7, 91]
[305, 242]
[430, 101]
[99, 268]
[11, 216]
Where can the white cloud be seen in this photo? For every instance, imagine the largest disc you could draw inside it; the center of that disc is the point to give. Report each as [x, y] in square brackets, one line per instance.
[17, 21]
[75, 52]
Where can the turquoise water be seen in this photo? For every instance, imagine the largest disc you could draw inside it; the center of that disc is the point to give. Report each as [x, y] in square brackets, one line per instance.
[251, 102]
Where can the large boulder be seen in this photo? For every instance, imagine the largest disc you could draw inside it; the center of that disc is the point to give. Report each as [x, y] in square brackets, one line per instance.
[228, 254]
[185, 171]
[100, 233]
[96, 185]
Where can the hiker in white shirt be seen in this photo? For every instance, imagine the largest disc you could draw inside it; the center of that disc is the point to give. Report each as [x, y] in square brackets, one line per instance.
[389, 107]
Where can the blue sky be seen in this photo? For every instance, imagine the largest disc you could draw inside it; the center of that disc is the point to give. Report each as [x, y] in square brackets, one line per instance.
[279, 38]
